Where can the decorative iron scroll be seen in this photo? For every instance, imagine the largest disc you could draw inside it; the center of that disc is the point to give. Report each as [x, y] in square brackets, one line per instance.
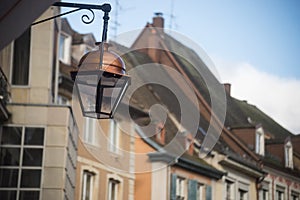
[85, 18]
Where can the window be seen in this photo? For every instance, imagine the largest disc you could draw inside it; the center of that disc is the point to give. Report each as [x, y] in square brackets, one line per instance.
[243, 189]
[87, 185]
[180, 188]
[264, 194]
[279, 193]
[264, 191]
[21, 57]
[64, 48]
[89, 130]
[288, 154]
[259, 141]
[295, 195]
[114, 136]
[61, 100]
[199, 195]
[229, 190]
[195, 190]
[21, 156]
[113, 188]
[242, 194]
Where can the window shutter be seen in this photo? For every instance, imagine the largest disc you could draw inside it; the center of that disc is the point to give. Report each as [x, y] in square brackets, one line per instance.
[208, 192]
[173, 186]
[192, 190]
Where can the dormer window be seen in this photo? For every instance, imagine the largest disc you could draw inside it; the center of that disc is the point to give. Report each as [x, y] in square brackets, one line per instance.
[288, 154]
[260, 141]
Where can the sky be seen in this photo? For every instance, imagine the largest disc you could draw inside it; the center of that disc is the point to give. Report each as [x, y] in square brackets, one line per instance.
[255, 45]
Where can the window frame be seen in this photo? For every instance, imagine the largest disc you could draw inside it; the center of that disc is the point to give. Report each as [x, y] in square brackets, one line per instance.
[259, 141]
[66, 58]
[243, 194]
[114, 137]
[20, 167]
[86, 173]
[280, 190]
[288, 155]
[62, 100]
[231, 190]
[295, 195]
[264, 191]
[181, 188]
[118, 182]
[89, 133]
[200, 191]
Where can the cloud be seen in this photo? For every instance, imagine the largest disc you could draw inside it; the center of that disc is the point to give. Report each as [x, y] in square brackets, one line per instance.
[276, 96]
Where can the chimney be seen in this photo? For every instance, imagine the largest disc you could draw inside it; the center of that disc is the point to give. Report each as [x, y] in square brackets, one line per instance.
[158, 20]
[190, 144]
[160, 133]
[227, 87]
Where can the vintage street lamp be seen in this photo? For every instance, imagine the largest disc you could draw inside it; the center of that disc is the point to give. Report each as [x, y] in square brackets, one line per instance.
[100, 88]
[101, 79]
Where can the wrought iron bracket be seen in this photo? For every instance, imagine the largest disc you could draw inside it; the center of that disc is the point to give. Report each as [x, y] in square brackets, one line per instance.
[106, 8]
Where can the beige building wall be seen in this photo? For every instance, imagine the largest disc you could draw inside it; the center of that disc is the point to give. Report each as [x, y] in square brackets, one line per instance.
[40, 64]
[31, 106]
[104, 165]
[59, 128]
[96, 157]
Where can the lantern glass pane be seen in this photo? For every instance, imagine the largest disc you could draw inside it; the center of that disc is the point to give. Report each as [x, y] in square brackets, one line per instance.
[111, 94]
[87, 88]
[100, 92]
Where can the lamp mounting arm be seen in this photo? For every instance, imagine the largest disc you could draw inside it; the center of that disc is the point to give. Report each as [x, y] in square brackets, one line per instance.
[106, 8]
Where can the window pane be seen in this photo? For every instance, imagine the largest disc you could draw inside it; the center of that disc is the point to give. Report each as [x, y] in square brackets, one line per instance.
[11, 135]
[89, 130]
[113, 189]
[34, 136]
[62, 40]
[31, 178]
[114, 136]
[8, 195]
[9, 156]
[8, 177]
[32, 157]
[32, 195]
[87, 185]
[21, 55]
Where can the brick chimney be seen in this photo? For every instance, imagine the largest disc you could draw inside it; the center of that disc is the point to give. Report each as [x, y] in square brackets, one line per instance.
[158, 20]
[227, 87]
[190, 144]
[160, 133]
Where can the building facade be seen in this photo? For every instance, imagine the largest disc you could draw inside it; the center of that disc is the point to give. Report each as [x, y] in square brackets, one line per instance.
[39, 139]
[48, 150]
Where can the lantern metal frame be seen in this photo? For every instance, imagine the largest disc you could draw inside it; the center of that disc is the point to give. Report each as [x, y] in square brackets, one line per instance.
[101, 73]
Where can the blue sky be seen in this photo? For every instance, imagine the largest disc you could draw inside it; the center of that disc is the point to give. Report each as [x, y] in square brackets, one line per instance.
[262, 36]
[264, 33]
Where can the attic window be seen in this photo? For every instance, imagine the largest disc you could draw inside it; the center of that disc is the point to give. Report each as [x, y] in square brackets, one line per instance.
[260, 141]
[288, 154]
